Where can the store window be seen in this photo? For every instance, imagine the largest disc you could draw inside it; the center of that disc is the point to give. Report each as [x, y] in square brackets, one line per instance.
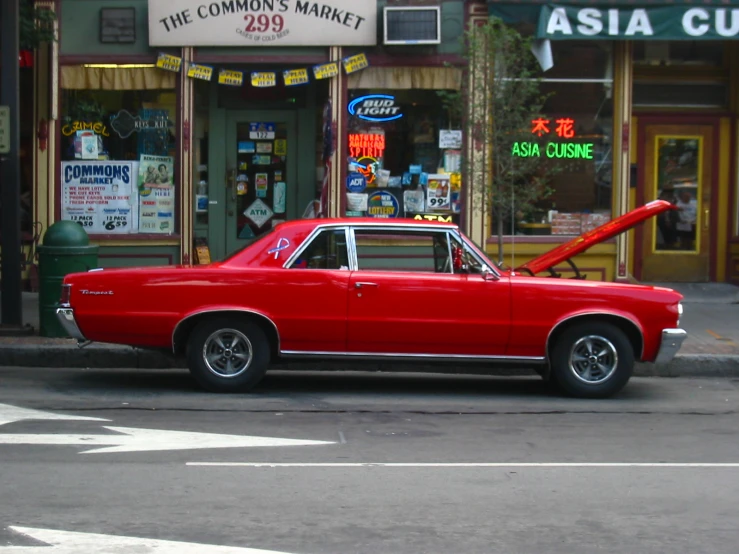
[573, 141]
[681, 74]
[118, 149]
[679, 53]
[404, 159]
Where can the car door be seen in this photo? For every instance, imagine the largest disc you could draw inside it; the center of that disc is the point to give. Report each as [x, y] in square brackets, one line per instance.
[405, 298]
[313, 295]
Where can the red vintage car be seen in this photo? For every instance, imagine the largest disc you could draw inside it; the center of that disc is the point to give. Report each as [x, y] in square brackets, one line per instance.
[386, 289]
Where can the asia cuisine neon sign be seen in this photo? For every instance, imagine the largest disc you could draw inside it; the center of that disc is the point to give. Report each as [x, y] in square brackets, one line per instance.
[375, 107]
[563, 128]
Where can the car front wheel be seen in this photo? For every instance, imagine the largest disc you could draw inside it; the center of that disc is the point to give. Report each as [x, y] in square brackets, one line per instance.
[593, 360]
[226, 355]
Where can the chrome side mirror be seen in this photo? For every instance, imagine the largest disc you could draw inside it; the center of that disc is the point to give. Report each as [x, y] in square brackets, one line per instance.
[488, 275]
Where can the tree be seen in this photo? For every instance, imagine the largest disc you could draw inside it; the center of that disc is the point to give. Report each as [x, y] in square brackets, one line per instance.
[509, 76]
[36, 25]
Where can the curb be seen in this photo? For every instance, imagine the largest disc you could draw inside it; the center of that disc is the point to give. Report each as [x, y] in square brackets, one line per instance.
[125, 357]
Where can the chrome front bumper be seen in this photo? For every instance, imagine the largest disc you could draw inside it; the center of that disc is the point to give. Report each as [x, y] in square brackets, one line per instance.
[66, 318]
[672, 340]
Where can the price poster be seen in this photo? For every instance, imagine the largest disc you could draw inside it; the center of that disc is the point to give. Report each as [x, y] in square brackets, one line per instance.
[100, 195]
[156, 194]
[156, 210]
[438, 195]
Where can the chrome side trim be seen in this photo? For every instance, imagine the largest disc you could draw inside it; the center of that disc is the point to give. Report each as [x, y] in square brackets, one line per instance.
[672, 340]
[65, 315]
[586, 314]
[351, 246]
[217, 310]
[449, 251]
[441, 357]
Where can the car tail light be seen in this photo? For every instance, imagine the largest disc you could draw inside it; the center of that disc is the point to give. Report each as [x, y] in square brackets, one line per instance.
[66, 294]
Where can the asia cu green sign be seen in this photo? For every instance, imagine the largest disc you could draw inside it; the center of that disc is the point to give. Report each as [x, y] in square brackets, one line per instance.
[558, 22]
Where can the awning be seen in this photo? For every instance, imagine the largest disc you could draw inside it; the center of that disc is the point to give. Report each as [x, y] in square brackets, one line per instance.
[624, 20]
[83, 77]
[402, 78]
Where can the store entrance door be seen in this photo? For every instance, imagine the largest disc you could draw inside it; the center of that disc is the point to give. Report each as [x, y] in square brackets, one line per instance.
[678, 166]
[261, 173]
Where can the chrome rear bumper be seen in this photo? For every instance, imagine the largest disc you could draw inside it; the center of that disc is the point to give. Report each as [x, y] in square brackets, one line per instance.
[66, 318]
[672, 340]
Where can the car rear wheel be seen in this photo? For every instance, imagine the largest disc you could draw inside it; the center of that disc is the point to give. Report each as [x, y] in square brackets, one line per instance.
[592, 360]
[226, 355]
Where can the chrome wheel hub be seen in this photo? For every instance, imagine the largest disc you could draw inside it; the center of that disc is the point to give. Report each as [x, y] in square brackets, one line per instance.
[227, 353]
[593, 359]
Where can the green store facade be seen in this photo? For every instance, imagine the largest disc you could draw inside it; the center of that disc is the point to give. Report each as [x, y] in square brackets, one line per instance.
[154, 162]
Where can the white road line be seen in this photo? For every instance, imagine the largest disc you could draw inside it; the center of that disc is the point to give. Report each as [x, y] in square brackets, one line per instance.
[68, 542]
[11, 414]
[151, 440]
[470, 465]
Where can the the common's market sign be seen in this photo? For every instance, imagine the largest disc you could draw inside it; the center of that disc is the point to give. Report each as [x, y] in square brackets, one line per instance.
[262, 23]
[645, 23]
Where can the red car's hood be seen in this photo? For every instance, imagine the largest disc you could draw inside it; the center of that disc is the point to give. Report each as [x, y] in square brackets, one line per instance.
[606, 231]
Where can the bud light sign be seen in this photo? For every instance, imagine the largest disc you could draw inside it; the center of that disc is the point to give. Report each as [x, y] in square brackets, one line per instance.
[355, 182]
[375, 107]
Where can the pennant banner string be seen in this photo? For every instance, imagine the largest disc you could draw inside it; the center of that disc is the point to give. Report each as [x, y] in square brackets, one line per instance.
[262, 79]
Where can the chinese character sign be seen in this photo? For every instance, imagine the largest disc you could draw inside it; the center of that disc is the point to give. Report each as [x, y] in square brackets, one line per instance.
[564, 127]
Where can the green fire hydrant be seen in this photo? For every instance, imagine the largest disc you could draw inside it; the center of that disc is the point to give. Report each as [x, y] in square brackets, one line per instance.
[65, 249]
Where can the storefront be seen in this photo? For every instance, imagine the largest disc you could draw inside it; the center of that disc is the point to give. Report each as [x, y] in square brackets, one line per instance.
[653, 89]
[166, 127]
[172, 127]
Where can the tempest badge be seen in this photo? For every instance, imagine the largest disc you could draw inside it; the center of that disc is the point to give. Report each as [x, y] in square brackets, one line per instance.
[282, 244]
[97, 292]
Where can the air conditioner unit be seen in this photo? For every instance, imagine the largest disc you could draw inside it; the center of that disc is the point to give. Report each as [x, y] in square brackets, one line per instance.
[412, 25]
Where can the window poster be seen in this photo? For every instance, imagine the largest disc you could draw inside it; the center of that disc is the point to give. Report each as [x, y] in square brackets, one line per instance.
[438, 196]
[156, 194]
[100, 195]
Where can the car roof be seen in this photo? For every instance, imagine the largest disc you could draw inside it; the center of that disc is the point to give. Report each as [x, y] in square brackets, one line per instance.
[363, 221]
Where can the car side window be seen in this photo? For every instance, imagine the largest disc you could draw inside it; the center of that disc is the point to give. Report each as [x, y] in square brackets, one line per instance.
[401, 250]
[463, 260]
[327, 250]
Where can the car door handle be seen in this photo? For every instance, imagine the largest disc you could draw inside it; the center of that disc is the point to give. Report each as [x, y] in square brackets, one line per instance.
[359, 285]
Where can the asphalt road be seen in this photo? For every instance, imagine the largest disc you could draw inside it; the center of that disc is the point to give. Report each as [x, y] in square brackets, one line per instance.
[392, 464]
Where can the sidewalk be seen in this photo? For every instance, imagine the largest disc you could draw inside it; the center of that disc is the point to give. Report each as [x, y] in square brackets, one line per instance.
[711, 318]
